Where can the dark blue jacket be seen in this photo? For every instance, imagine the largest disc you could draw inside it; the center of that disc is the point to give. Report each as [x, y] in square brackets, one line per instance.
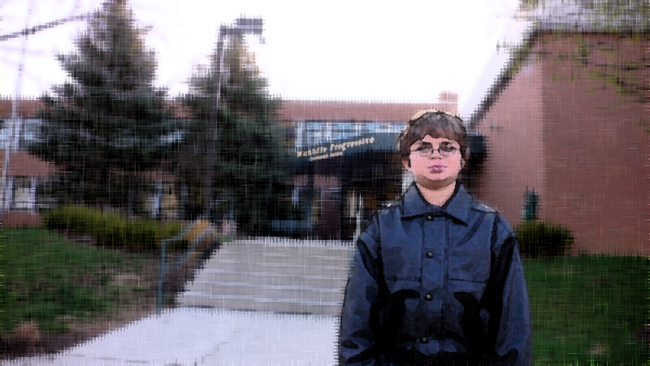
[436, 285]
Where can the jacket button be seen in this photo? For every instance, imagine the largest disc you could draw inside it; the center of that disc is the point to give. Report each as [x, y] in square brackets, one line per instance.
[428, 297]
[429, 217]
[430, 255]
[424, 340]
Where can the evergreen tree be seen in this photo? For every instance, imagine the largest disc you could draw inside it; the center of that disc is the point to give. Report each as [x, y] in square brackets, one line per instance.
[250, 168]
[107, 125]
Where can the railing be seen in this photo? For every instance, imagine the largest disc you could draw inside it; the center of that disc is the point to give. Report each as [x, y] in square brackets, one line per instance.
[179, 261]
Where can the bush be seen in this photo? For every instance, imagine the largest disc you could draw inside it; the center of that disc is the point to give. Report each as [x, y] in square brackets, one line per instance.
[538, 238]
[171, 228]
[145, 234]
[109, 229]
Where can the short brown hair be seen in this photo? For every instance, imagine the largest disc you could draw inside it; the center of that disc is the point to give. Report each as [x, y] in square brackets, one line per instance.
[435, 123]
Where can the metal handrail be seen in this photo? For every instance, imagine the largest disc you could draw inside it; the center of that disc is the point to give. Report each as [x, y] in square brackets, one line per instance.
[193, 246]
[163, 254]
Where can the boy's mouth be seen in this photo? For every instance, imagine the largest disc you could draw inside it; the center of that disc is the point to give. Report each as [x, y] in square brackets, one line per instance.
[437, 168]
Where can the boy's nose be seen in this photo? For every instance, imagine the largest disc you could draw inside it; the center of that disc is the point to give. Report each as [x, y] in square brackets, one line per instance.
[435, 152]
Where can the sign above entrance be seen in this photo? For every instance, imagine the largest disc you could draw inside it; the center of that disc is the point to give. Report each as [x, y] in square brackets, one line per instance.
[335, 149]
[375, 142]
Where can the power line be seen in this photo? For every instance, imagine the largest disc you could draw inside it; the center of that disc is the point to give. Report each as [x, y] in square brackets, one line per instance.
[38, 28]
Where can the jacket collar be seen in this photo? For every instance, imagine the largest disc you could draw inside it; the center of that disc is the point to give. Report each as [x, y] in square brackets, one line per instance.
[458, 205]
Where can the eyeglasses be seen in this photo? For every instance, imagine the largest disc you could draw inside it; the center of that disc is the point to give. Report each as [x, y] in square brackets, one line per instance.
[445, 150]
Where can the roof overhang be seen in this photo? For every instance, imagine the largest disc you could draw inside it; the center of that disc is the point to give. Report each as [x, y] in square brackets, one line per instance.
[372, 143]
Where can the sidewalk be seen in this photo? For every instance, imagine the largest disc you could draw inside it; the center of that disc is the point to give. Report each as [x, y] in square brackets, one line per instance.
[194, 336]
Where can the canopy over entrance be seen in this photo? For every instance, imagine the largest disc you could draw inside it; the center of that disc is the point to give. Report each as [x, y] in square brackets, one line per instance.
[340, 183]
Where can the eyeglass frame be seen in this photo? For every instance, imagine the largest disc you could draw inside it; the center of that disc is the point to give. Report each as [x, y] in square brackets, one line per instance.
[464, 149]
[422, 152]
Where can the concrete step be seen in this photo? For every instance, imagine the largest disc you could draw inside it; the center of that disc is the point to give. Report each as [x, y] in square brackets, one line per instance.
[278, 276]
[268, 278]
[284, 254]
[242, 302]
[218, 260]
[275, 292]
[283, 258]
[281, 268]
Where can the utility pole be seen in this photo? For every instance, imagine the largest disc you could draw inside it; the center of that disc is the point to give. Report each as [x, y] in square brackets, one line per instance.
[242, 26]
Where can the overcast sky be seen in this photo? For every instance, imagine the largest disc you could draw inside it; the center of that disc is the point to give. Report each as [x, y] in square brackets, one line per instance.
[407, 51]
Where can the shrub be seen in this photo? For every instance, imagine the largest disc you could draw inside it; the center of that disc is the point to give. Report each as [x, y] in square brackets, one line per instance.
[109, 229]
[171, 229]
[539, 238]
[145, 234]
[114, 231]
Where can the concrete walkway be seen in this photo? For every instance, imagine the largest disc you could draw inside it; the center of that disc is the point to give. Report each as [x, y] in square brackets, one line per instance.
[258, 301]
[190, 336]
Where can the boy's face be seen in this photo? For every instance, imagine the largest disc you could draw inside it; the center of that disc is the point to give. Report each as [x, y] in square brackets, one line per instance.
[435, 170]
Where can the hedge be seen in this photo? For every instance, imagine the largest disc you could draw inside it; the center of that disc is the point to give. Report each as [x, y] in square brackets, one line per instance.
[539, 238]
[111, 230]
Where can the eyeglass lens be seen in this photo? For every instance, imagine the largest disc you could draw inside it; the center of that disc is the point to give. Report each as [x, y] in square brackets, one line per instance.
[445, 149]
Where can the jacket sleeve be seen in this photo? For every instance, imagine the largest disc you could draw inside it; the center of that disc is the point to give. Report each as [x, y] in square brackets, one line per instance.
[357, 344]
[509, 331]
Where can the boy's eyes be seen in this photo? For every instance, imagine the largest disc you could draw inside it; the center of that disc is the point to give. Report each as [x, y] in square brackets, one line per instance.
[445, 146]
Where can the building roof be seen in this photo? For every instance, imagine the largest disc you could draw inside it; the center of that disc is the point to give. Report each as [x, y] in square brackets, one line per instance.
[300, 110]
[27, 108]
[579, 17]
[161, 176]
[590, 15]
[24, 164]
[303, 110]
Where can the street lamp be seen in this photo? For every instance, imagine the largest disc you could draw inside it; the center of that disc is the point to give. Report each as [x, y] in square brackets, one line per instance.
[242, 26]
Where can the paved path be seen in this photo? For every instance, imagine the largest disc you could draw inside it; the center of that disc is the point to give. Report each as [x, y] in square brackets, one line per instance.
[261, 302]
[189, 336]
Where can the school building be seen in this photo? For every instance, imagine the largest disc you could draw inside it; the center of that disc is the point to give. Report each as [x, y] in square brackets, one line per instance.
[346, 162]
[568, 118]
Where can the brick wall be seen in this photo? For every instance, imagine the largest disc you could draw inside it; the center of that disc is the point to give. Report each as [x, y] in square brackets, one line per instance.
[573, 124]
[21, 219]
[594, 112]
[513, 130]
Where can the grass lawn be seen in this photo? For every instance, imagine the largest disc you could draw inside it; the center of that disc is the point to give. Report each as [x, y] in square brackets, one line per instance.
[588, 310]
[62, 285]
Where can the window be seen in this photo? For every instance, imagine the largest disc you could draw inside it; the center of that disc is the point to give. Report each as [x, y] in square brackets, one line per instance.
[24, 194]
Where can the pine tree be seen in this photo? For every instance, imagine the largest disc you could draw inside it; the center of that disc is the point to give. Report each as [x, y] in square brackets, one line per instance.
[250, 168]
[107, 125]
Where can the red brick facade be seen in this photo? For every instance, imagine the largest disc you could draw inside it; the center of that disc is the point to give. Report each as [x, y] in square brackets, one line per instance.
[573, 124]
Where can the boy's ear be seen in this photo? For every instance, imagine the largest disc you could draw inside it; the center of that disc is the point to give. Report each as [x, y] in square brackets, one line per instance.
[407, 163]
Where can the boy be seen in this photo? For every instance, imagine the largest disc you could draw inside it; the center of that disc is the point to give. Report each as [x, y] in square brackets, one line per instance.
[437, 278]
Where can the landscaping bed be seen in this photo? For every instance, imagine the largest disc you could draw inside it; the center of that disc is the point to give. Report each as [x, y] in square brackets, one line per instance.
[59, 290]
